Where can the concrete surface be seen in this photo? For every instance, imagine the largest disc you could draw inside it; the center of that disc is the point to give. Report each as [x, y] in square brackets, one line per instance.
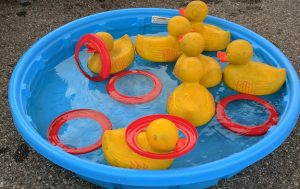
[23, 25]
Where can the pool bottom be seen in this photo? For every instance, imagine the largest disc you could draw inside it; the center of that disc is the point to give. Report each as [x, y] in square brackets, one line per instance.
[65, 88]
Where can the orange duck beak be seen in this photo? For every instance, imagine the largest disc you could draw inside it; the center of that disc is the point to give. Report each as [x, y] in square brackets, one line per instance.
[179, 38]
[181, 11]
[90, 48]
[222, 56]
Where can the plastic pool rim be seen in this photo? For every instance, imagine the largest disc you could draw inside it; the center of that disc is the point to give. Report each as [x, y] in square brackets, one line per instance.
[115, 94]
[59, 121]
[199, 174]
[183, 146]
[256, 130]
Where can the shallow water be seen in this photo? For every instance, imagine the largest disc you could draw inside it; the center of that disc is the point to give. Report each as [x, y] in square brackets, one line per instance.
[62, 88]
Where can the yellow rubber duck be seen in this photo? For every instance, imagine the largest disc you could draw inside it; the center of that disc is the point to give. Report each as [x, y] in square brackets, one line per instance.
[160, 136]
[121, 53]
[192, 45]
[191, 100]
[215, 38]
[163, 48]
[246, 76]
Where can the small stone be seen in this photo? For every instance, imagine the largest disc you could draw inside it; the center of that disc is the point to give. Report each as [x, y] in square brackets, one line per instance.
[21, 13]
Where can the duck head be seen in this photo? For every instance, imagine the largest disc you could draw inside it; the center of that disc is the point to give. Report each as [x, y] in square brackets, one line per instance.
[107, 39]
[237, 52]
[191, 70]
[192, 44]
[178, 26]
[195, 11]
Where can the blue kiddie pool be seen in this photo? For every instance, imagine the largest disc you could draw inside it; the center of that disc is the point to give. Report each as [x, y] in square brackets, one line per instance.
[46, 83]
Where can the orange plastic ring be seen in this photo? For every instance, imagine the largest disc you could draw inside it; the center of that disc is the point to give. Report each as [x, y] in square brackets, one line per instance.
[184, 145]
[244, 129]
[99, 47]
[56, 124]
[115, 94]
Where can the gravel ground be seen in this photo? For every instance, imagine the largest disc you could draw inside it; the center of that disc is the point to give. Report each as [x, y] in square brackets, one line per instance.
[23, 25]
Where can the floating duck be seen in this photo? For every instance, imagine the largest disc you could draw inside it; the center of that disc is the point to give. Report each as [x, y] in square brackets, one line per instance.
[160, 136]
[163, 48]
[121, 53]
[192, 45]
[215, 38]
[246, 76]
[191, 100]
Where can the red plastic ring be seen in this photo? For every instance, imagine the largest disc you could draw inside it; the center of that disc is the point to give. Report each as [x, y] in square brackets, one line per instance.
[102, 120]
[244, 129]
[112, 91]
[183, 145]
[100, 48]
